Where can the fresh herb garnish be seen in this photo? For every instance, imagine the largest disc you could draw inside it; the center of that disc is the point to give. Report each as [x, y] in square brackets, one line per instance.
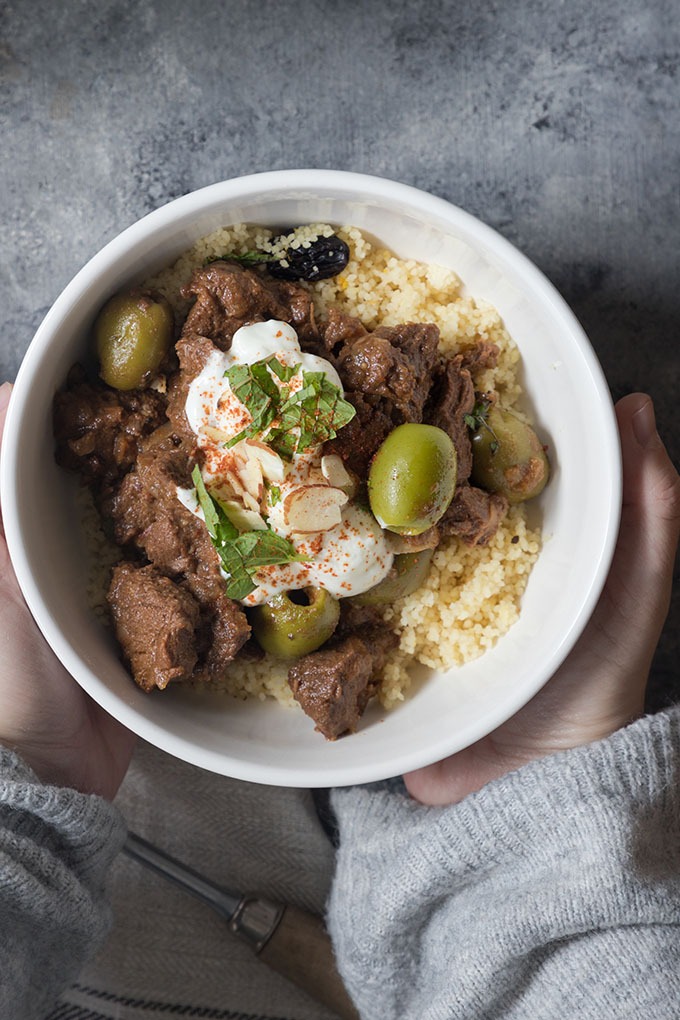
[314, 260]
[255, 387]
[274, 494]
[241, 553]
[246, 258]
[478, 419]
[289, 422]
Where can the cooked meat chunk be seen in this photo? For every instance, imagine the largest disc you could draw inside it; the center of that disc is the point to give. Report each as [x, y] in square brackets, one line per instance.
[145, 510]
[98, 430]
[339, 330]
[334, 685]
[300, 310]
[452, 397]
[227, 296]
[394, 362]
[155, 622]
[168, 535]
[193, 353]
[474, 515]
[358, 441]
[228, 630]
[354, 618]
[148, 516]
[480, 356]
[444, 395]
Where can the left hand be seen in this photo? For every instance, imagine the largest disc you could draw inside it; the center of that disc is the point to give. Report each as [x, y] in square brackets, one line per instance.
[45, 716]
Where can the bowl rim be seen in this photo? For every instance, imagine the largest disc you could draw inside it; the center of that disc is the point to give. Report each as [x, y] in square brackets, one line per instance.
[165, 219]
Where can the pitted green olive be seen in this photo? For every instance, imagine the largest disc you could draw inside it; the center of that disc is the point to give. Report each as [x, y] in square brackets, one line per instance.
[292, 624]
[133, 333]
[408, 572]
[412, 478]
[507, 457]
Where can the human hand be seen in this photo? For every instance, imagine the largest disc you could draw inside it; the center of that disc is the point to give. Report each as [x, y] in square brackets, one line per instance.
[601, 684]
[45, 716]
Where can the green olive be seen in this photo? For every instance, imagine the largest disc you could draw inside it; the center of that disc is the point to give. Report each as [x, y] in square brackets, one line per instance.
[408, 573]
[507, 457]
[132, 332]
[412, 478]
[292, 624]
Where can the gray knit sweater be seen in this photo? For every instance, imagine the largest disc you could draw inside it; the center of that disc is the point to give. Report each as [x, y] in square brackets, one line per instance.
[552, 893]
[55, 849]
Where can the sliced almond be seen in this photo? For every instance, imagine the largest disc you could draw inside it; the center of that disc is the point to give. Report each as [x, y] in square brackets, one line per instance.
[215, 435]
[250, 474]
[234, 480]
[239, 453]
[243, 518]
[271, 464]
[313, 508]
[250, 502]
[336, 474]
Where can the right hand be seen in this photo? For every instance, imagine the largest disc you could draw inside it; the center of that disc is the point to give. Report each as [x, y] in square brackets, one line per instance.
[65, 737]
[601, 684]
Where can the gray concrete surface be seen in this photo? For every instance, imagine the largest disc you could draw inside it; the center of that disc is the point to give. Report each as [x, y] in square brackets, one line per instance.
[557, 123]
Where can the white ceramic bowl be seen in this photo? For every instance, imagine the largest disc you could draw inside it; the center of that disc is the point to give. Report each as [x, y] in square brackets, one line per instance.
[263, 742]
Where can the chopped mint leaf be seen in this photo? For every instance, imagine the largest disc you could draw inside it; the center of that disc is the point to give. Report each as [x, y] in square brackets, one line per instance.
[289, 422]
[241, 553]
[284, 372]
[218, 525]
[240, 583]
[262, 548]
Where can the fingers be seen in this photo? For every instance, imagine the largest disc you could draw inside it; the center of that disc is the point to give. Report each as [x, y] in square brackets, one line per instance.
[5, 394]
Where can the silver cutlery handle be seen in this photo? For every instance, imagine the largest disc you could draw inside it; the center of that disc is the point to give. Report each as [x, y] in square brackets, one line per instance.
[289, 940]
[224, 902]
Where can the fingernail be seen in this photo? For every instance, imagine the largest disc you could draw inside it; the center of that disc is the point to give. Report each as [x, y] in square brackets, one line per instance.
[5, 394]
[644, 426]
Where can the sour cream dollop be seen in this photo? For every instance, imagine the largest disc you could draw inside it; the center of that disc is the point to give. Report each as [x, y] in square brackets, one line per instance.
[346, 559]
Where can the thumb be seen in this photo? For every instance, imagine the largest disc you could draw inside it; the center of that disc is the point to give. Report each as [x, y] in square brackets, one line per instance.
[651, 494]
[638, 588]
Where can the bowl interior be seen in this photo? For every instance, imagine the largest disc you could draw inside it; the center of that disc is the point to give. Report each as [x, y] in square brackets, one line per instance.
[263, 742]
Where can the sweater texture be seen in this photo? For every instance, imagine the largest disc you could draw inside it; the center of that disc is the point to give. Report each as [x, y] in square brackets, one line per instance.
[55, 849]
[552, 892]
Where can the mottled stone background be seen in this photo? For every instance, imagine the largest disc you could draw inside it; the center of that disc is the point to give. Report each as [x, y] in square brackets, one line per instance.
[557, 123]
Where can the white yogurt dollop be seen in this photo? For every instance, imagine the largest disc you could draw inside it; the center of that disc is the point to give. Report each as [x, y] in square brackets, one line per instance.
[345, 560]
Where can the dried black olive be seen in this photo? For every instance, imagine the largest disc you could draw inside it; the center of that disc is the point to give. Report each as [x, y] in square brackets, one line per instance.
[325, 257]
